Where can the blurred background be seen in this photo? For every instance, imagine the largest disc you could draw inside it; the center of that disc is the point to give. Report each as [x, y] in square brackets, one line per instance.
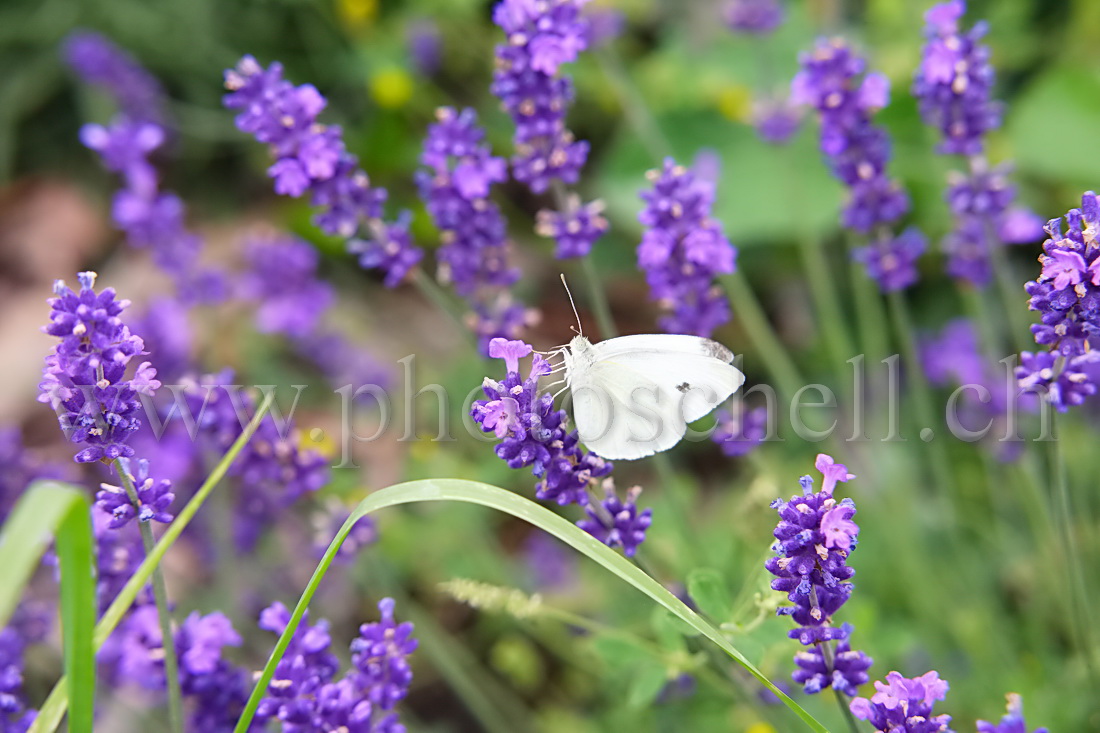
[970, 595]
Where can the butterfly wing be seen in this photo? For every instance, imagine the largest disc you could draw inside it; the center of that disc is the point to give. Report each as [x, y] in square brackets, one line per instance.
[621, 413]
[695, 372]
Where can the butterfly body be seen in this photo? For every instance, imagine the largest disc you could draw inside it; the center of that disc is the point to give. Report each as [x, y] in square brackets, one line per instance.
[633, 396]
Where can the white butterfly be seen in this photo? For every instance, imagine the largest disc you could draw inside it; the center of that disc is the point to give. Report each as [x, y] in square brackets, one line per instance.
[633, 396]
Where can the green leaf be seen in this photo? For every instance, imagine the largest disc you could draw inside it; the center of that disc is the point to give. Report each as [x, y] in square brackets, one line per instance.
[645, 684]
[708, 590]
[505, 501]
[50, 714]
[53, 510]
[1053, 125]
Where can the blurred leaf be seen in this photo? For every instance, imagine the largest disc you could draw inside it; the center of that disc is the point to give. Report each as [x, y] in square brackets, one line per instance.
[708, 590]
[1054, 123]
[647, 682]
[516, 658]
[473, 492]
[49, 510]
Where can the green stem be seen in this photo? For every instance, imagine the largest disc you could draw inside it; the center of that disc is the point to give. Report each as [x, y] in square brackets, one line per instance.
[922, 396]
[827, 303]
[1014, 300]
[846, 711]
[160, 596]
[430, 289]
[634, 107]
[762, 334]
[598, 298]
[871, 324]
[1077, 588]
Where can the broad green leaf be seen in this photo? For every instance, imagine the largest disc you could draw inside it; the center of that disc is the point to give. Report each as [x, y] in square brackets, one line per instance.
[50, 510]
[505, 501]
[59, 699]
[646, 683]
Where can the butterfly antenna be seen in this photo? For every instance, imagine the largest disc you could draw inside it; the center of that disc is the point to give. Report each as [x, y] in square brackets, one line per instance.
[579, 329]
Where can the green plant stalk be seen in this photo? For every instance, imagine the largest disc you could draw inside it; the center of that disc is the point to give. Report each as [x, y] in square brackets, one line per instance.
[517, 506]
[53, 709]
[48, 509]
[430, 289]
[160, 597]
[762, 334]
[828, 305]
[634, 107]
[1077, 588]
[903, 324]
[871, 324]
[1014, 299]
[845, 711]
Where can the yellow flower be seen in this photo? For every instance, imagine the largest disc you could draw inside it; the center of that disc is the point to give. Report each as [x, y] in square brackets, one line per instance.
[357, 14]
[391, 87]
[735, 102]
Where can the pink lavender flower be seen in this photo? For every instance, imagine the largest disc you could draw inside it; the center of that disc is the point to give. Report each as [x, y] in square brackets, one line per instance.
[904, 705]
[84, 380]
[683, 250]
[1013, 720]
[814, 538]
[310, 157]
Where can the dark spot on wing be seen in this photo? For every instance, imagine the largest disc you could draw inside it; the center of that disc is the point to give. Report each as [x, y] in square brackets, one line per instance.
[683, 387]
[717, 350]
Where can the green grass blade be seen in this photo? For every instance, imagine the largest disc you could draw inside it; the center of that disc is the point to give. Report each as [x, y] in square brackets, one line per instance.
[53, 510]
[505, 501]
[53, 710]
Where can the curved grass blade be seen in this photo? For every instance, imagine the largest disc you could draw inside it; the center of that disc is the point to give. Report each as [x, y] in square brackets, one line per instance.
[53, 510]
[505, 501]
[51, 712]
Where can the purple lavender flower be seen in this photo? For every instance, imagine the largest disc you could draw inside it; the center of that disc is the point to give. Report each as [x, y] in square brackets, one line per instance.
[540, 38]
[551, 564]
[217, 689]
[18, 469]
[14, 715]
[154, 496]
[683, 250]
[425, 45]
[151, 218]
[98, 61]
[615, 522]
[455, 184]
[604, 25]
[310, 157]
[1067, 296]
[532, 432]
[905, 705]
[282, 279]
[834, 81]
[166, 331]
[892, 261]
[575, 229]
[84, 380]
[954, 81]
[739, 433]
[756, 17]
[814, 538]
[328, 523]
[1013, 720]
[776, 120]
[119, 552]
[302, 694]
[342, 361]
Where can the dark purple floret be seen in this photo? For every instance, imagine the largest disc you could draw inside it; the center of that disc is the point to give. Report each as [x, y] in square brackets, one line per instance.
[739, 432]
[310, 158]
[99, 62]
[814, 538]
[551, 564]
[845, 674]
[615, 522]
[14, 715]
[379, 657]
[757, 17]
[904, 705]
[154, 497]
[776, 120]
[1012, 722]
[328, 523]
[84, 380]
[216, 689]
[541, 36]
[954, 81]
[424, 42]
[683, 250]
